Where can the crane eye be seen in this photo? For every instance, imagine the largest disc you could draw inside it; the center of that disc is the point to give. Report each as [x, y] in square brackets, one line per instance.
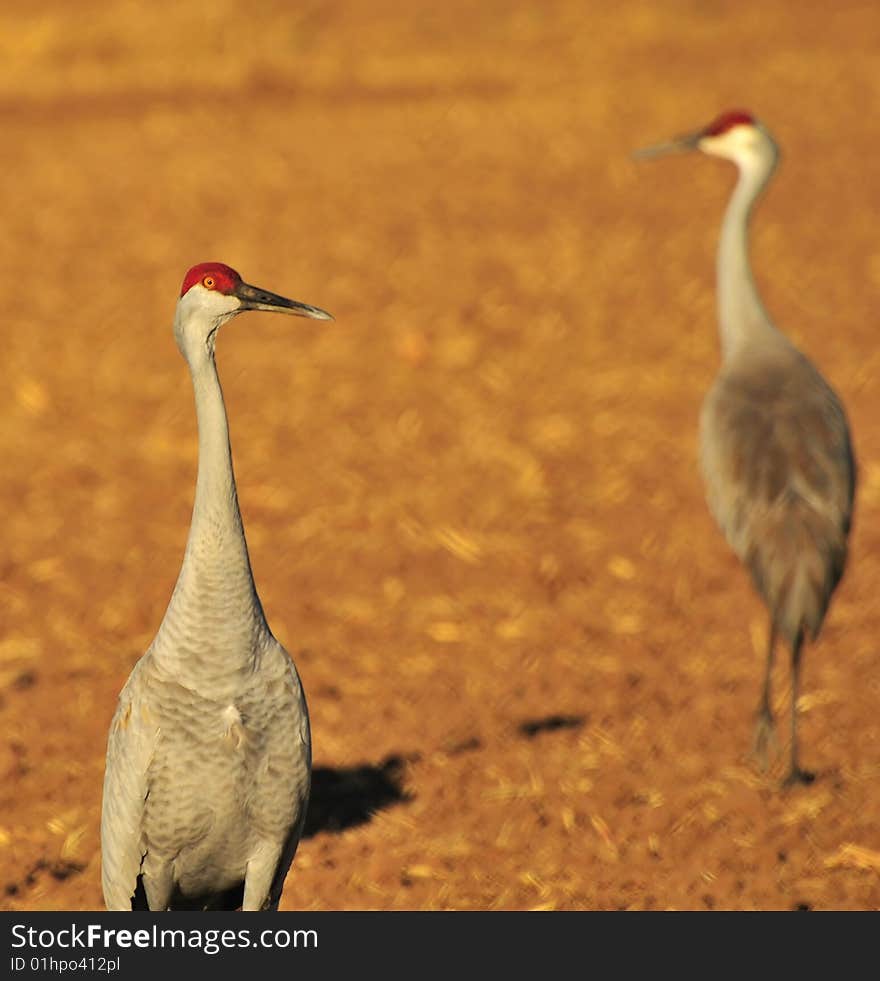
[208, 282]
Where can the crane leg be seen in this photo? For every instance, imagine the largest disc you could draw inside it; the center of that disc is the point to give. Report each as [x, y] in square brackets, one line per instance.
[765, 730]
[796, 774]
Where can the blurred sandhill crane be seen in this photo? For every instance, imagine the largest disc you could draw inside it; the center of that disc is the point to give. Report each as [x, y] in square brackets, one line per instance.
[209, 753]
[775, 448]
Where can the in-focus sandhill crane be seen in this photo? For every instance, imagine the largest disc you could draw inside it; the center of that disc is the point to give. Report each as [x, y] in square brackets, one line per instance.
[774, 442]
[209, 754]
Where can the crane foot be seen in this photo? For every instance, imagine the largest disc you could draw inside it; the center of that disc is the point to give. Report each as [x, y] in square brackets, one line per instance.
[798, 776]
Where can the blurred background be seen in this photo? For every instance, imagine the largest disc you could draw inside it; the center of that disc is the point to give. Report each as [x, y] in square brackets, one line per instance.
[472, 503]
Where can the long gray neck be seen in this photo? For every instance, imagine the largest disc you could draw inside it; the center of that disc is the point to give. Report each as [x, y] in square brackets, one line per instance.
[214, 618]
[216, 532]
[742, 319]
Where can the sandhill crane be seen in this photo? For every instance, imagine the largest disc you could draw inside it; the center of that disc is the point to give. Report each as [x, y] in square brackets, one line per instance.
[775, 449]
[209, 753]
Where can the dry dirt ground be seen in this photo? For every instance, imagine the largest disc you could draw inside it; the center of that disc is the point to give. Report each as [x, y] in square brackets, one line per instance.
[472, 503]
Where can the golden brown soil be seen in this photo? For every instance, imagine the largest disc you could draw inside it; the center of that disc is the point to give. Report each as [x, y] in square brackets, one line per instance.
[472, 503]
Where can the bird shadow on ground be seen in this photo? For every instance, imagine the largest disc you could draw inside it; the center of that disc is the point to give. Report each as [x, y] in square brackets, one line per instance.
[344, 797]
[551, 723]
[58, 870]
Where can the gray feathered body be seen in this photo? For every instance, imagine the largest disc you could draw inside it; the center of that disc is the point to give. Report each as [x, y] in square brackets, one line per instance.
[204, 778]
[779, 471]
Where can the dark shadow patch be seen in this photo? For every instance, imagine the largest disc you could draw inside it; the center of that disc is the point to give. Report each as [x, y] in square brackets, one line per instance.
[60, 870]
[21, 767]
[231, 899]
[465, 746]
[139, 899]
[534, 727]
[27, 679]
[344, 797]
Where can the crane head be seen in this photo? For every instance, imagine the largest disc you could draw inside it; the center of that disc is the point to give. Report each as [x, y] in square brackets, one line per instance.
[734, 135]
[213, 293]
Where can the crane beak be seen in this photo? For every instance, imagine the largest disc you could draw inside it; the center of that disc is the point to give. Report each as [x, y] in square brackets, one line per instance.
[679, 144]
[253, 298]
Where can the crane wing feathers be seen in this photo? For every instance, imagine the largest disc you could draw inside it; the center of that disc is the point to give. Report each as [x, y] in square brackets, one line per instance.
[130, 749]
[780, 478]
[772, 433]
